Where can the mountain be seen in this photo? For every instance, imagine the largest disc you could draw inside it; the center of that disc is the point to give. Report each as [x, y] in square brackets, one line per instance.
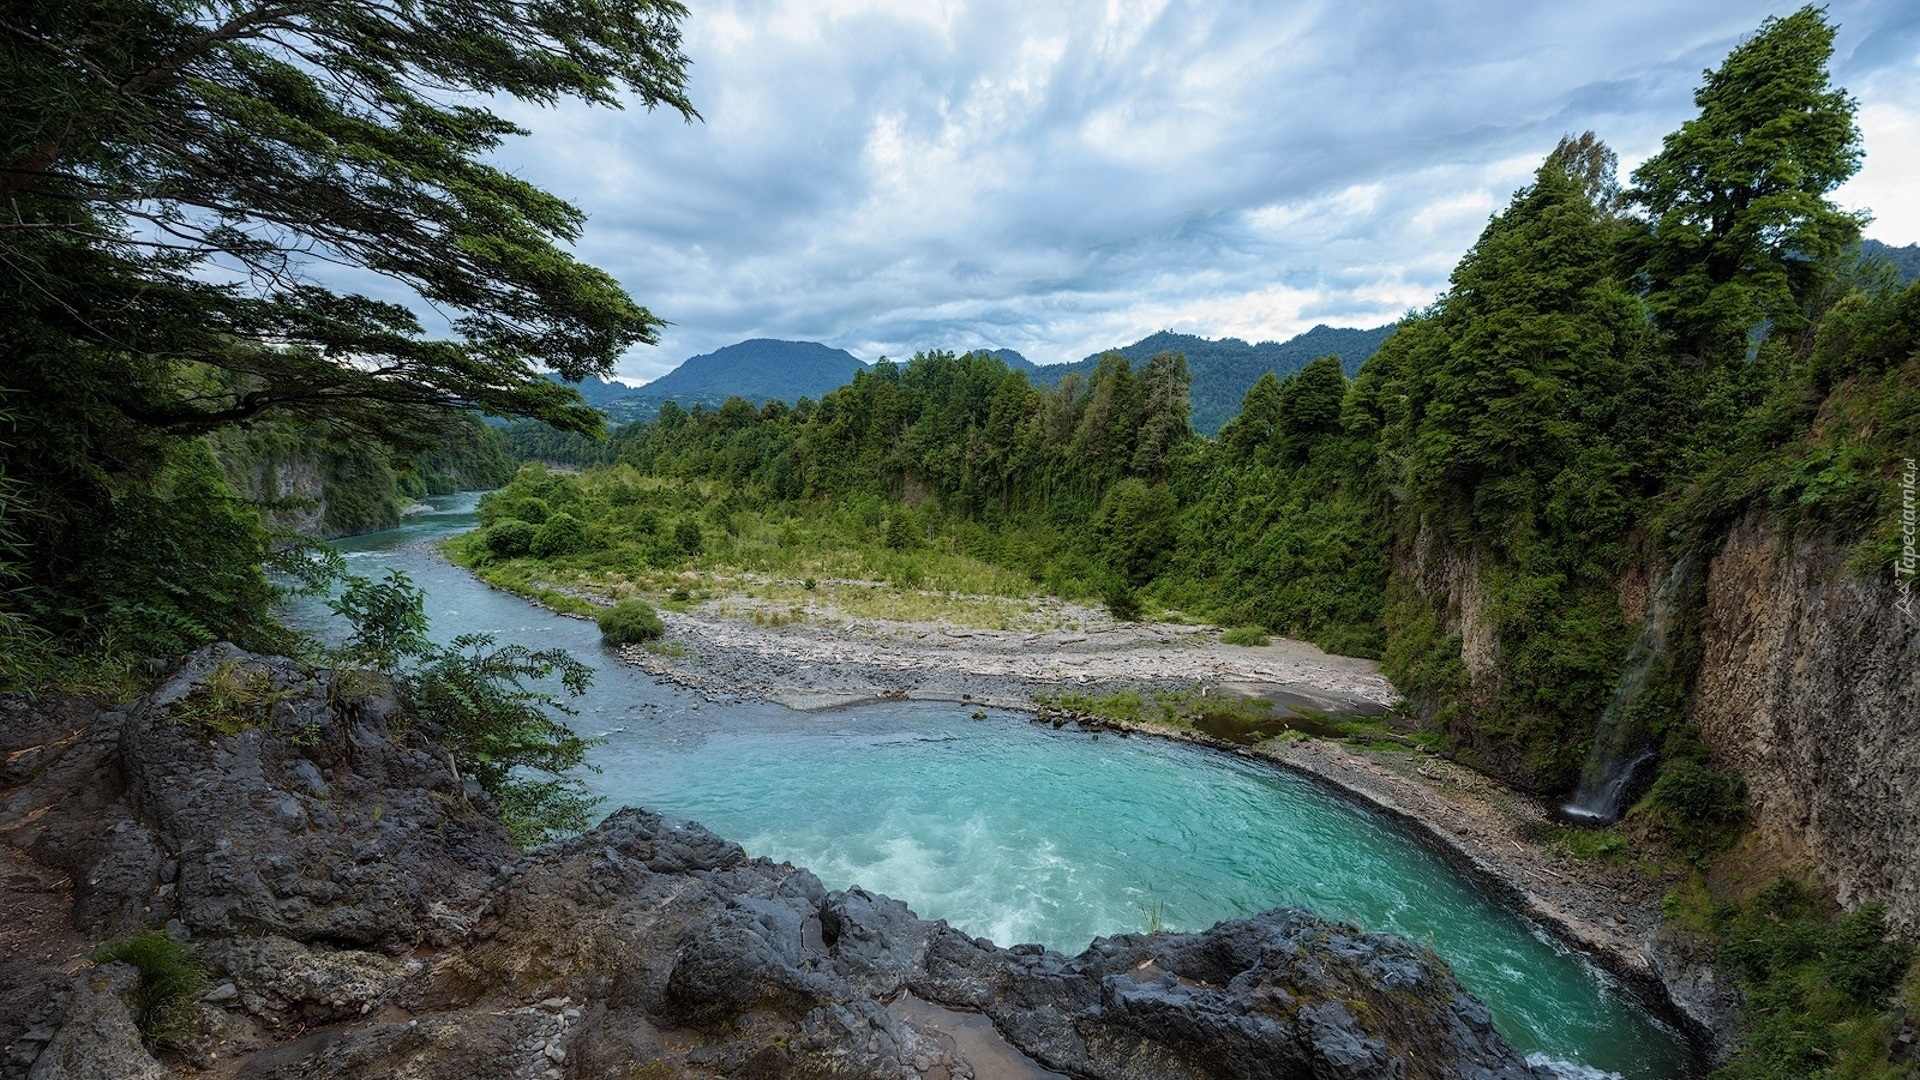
[1010, 358]
[1905, 260]
[1225, 369]
[759, 370]
[764, 369]
[599, 392]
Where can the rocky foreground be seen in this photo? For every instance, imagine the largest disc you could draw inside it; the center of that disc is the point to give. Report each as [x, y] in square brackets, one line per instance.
[362, 914]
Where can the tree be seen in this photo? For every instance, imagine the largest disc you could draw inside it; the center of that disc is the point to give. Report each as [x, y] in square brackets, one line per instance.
[174, 173]
[1741, 228]
[178, 176]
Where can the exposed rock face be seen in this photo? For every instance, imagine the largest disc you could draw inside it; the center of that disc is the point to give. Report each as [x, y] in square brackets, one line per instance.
[411, 941]
[1810, 686]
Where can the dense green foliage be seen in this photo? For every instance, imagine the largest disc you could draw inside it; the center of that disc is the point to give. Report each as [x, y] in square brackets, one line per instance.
[482, 702]
[1224, 369]
[630, 622]
[1817, 985]
[170, 976]
[306, 478]
[172, 173]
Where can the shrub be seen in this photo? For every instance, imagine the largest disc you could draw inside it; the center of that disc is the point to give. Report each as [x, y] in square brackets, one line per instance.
[170, 976]
[561, 535]
[630, 621]
[535, 511]
[1121, 601]
[1697, 793]
[503, 733]
[688, 538]
[510, 538]
[1251, 636]
[484, 703]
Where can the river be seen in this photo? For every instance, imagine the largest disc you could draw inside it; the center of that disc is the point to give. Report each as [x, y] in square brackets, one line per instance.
[1018, 832]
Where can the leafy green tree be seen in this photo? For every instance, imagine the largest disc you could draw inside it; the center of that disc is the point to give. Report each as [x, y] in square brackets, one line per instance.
[483, 702]
[1166, 415]
[173, 170]
[563, 534]
[1742, 230]
[1259, 420]
[1134, 529]
[510, 538]
[177, 176]
[1310, 406]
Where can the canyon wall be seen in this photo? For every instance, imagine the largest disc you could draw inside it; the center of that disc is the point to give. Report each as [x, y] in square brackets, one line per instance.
[1809, 685]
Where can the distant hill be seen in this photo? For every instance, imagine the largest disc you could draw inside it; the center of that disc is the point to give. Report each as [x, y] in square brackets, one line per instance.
[764, 370]
[759, 370]
[1010, 358]
[1906, 260]
[1225, 369]
[598, 392]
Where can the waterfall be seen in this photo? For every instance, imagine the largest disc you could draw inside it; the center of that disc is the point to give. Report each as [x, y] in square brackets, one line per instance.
[1617, 755]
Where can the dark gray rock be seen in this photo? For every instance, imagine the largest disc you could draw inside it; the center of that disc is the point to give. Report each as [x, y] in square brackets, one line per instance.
[410, 940]
[97, 1039]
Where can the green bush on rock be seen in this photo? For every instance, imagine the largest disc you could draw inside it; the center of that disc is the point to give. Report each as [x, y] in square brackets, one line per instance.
[629, 622]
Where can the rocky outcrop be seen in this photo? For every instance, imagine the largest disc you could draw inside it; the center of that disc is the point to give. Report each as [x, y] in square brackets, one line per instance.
[362, 915]
[1809, 685]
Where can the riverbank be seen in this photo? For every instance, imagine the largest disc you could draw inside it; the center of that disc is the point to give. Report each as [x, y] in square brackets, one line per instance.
[828, 662]
[1605, 904]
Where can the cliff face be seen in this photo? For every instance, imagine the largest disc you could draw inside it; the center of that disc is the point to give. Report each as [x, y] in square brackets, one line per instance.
[1810, 686]
[363, 916]
[292, 493]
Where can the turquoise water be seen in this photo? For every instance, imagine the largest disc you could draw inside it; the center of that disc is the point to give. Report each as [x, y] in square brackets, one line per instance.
[1019, 832]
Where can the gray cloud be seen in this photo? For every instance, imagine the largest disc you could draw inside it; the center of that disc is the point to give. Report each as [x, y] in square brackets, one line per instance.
[892, 175]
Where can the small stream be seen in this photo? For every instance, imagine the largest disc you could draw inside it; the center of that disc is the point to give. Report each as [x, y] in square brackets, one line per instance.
[1019, 832]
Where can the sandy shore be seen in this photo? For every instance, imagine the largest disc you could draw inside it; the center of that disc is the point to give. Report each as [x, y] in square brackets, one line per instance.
[824, 664]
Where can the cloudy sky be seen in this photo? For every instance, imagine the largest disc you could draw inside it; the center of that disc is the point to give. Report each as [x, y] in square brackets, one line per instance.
[894, 175]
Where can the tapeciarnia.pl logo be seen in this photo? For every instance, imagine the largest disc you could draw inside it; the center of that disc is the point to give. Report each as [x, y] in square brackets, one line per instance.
[1907, 566]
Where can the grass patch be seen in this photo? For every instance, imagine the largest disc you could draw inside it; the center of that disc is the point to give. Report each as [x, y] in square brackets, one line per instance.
[1250, 636]
[235, 697]
[1591, 845]
[170, 976]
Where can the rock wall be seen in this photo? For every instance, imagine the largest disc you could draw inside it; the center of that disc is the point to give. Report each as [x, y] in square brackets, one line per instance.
[363, 916]
[1810, 686]
[293, 493]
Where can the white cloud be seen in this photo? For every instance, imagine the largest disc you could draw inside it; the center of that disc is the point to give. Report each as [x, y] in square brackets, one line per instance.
[1057, 178]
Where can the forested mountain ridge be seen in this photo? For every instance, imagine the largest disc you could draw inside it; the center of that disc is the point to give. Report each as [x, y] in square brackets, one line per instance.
[1904, 260]
[1224, 369]
[762, 370]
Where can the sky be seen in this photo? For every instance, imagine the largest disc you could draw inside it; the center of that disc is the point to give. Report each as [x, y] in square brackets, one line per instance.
[888, 176]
